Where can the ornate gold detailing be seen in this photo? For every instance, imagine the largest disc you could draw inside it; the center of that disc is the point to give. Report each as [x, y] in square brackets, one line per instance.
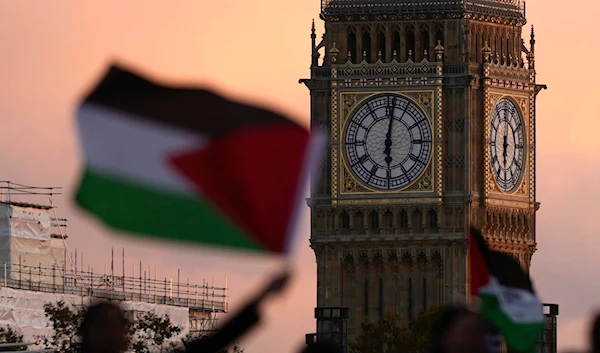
[523, 188]
[388, 201]
[333, 53]
[491, 97]
[425, 99]
[349, 100]
[334, 137]
[430, 101]
[438, 131]
[506, 203]
[425, 183]
[531, 149]
[349, 185]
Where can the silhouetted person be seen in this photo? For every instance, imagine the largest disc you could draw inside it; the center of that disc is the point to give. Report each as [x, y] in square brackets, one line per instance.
[595, 335]
[458, 330]
[104, 329]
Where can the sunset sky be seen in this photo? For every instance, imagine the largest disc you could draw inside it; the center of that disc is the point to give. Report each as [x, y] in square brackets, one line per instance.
[53, 50]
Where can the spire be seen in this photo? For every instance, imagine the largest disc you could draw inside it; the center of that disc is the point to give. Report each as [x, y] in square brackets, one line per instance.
[439, 51]
[532, 40]
[531, 54]
[313, 40]
[487, 51]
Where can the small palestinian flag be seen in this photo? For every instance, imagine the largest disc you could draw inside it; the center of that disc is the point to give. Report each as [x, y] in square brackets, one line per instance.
[187, 164]
[506, 295]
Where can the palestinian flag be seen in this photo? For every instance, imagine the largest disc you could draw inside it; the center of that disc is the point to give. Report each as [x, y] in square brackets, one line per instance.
[506, 295]
[188, 164]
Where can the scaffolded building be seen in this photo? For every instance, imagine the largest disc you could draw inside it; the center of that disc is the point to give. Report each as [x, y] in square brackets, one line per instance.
[37, 267]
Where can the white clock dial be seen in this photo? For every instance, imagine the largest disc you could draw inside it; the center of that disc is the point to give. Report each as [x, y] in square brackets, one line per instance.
[507, 145]
[388, 142]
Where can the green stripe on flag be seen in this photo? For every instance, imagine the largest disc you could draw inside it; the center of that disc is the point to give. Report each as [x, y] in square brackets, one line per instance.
[160, 213]
[519, 335]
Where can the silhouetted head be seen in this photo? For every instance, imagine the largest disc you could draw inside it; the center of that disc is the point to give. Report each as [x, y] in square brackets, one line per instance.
[595, 335]
[104, 329]
[458, 330]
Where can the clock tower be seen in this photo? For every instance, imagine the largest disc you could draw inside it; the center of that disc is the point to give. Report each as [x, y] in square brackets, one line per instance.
[430, 109]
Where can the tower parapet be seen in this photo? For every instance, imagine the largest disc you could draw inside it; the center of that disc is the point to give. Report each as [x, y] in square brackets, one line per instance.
[510, 9]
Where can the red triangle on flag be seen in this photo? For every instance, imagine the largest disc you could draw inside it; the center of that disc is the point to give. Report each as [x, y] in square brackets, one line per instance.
[479, 274]
[252, 176]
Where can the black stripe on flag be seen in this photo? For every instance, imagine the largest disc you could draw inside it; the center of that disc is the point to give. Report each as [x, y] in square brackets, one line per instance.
[190, 108]
[504, 267]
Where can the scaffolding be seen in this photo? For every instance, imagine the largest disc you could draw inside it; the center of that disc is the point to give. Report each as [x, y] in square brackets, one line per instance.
[122, 288]
[27, 225]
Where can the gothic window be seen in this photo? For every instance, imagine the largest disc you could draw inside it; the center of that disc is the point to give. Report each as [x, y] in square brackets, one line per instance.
[351, 45]
[439, 36]
[374, 216]
[359, 220]
[381, 40]
[366, 303]
[410, 42]
[327, 175]
[424, 45]
[331, 221]
[344, 220]
[396, 43]
[417, 220]
[432, 219]
[478, 47]
[366, 46]
[321, 220]
[388, 219]
[410, 299]
[380, 298]
[403, 219]
[424, 294]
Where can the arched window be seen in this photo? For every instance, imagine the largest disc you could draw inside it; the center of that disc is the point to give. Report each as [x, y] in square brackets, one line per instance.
[374, 217]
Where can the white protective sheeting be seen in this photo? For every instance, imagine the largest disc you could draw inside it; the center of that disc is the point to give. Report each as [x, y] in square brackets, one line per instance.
[24, 222]
[39, 259]
[26, 245]
[24, 310]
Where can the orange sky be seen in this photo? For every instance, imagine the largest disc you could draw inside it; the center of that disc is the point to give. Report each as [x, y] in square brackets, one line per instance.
[53, 50]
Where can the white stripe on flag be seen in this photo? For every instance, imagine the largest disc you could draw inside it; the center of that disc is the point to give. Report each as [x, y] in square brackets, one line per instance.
[118, 144]
[520, 305]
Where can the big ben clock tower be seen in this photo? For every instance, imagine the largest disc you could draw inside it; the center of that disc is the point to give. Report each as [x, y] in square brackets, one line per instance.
[430, 108]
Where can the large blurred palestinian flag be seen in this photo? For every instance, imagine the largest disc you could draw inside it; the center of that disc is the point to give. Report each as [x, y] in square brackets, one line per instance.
[188, 164]
[506, 295]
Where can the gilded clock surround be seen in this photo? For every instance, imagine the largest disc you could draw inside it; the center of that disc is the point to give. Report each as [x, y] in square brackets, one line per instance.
[521, 102]
[523, 191]
[426, 101]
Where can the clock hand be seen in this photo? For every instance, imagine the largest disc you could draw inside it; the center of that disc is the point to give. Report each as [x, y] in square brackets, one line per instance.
[504, 146]
[388, 136]
[505, 143]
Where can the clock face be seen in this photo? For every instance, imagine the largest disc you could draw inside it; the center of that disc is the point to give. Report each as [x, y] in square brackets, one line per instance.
[388, 142]
[506, 145]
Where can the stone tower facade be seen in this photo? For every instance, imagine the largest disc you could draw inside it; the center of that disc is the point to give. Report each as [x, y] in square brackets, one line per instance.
[430, 108]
